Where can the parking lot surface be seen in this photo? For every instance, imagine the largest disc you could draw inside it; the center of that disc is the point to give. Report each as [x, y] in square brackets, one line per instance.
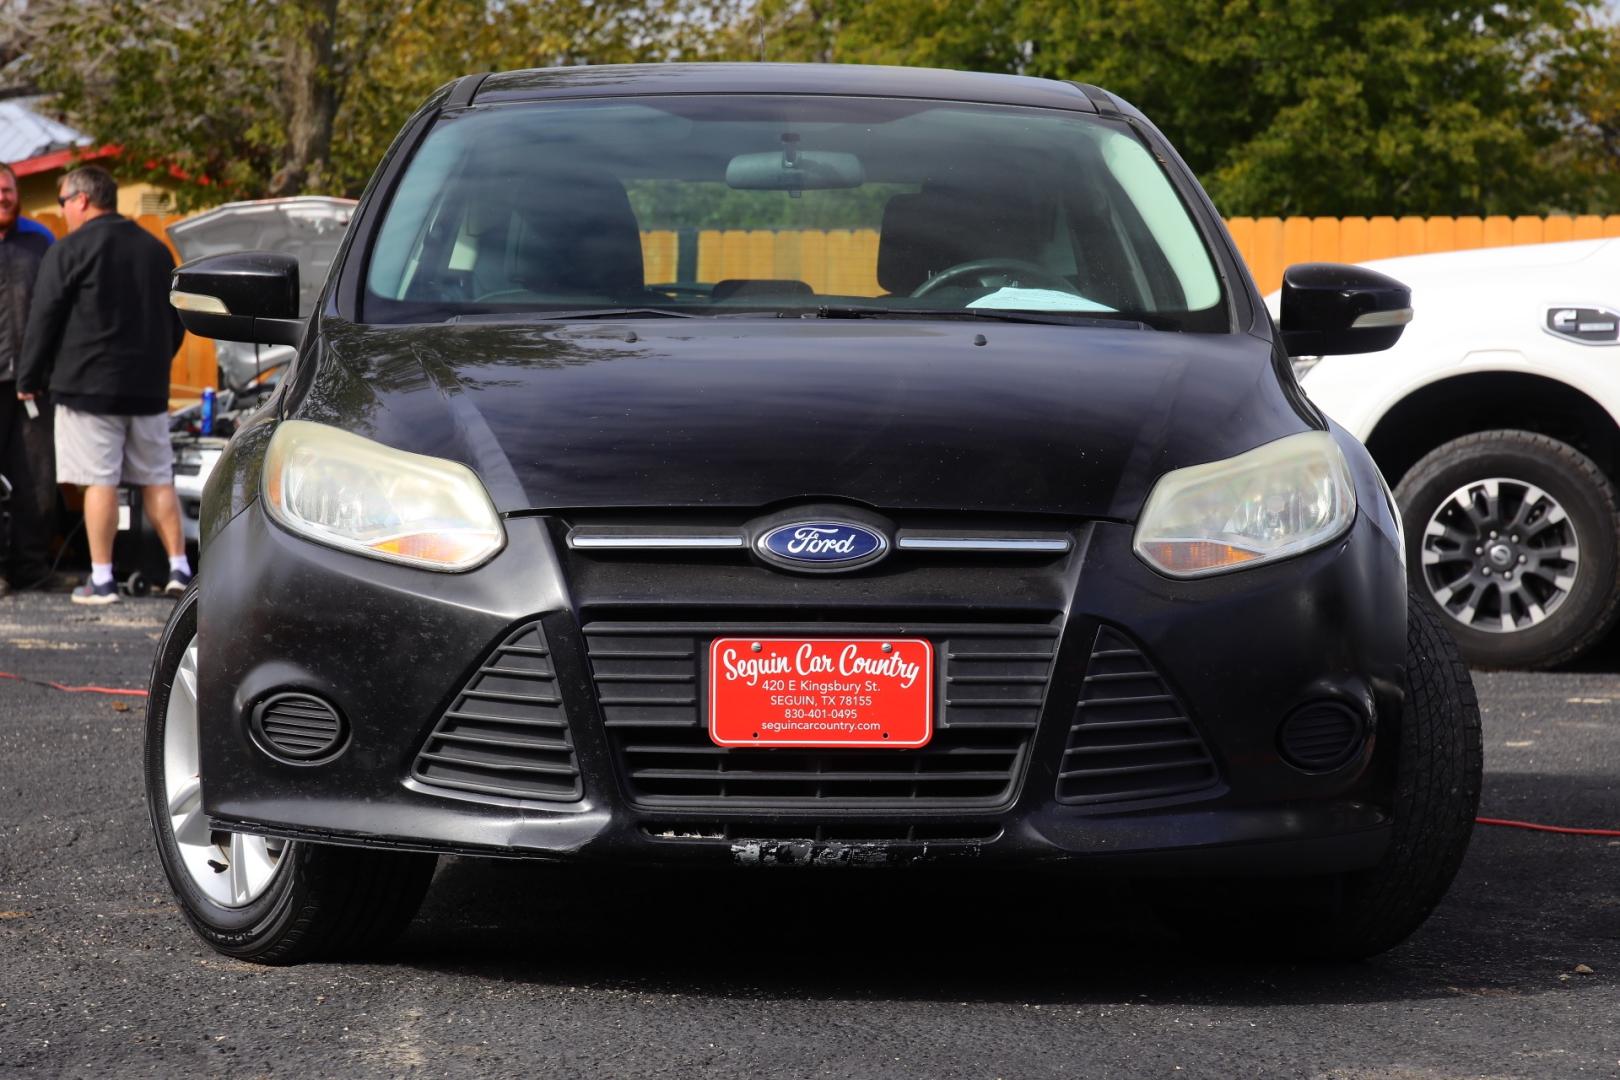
[519, 969]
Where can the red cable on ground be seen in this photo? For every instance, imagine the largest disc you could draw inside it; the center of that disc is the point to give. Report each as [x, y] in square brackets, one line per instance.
[113, 690]
[1534, 827]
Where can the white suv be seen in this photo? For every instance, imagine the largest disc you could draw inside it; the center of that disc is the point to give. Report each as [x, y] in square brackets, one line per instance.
[1495, 419]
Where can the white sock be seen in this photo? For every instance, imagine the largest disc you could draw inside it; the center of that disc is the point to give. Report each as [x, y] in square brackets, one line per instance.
[101, 573]
[179, 564]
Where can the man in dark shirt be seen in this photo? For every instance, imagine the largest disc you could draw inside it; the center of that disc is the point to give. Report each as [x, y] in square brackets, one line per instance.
[23, 561]
[101, 337]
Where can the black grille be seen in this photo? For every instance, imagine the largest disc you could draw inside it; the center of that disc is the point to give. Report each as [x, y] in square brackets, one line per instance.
[298, 727]
[1131, 738]
[505, 733]
[991, 682]
[1320, 736]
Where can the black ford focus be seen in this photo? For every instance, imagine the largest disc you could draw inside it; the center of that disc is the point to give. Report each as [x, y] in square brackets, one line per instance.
[779, 465]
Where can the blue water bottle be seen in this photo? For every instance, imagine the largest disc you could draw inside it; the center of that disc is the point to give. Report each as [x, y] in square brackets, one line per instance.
[207, 426]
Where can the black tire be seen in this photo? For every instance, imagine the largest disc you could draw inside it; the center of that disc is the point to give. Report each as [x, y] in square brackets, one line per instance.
[1589, 607]
[1437, 782]
[135, 584]
[323, 901]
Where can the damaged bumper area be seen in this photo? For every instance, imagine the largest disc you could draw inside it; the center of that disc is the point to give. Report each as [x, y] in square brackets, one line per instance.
[810, 853]
[1088, 713]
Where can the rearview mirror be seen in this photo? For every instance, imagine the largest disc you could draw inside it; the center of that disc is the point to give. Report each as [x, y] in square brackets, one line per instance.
[792, 169]
[1330, 309]
[240, 296]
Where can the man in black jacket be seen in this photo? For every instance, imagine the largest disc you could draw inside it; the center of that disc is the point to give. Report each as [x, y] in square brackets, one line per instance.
[23, 560]
[101, 336]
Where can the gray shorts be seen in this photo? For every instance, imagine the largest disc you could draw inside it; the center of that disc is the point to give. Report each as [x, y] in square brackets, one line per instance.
[95, 449]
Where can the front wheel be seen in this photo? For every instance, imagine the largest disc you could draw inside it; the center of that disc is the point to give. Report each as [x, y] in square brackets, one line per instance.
[1512, 535]
[1437, 784]
[1362, 913]
[256, 897]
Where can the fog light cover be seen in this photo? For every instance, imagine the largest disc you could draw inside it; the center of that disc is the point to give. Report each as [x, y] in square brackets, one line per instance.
[300, 729]
[1321, 736]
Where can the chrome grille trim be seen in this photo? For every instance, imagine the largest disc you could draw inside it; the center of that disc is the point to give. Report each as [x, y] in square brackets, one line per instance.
[632, 538]
[582, 541]
[1014, 545]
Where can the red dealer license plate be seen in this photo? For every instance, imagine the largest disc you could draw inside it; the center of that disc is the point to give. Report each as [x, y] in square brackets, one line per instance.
[874, 693]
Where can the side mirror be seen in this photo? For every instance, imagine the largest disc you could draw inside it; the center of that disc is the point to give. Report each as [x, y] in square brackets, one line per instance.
[240, 296]
[1329, 309]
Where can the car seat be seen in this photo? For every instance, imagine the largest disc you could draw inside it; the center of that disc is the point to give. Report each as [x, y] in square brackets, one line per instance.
[932, 230]
[578, 237]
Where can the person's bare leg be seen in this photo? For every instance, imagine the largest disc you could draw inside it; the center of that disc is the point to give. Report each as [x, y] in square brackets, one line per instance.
[101, 520]
[163, 511]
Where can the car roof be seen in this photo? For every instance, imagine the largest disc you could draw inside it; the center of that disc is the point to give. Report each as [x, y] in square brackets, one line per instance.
[846, 80]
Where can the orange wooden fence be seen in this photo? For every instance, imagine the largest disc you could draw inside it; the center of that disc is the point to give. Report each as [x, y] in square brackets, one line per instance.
[843, 261]
[1270, 244]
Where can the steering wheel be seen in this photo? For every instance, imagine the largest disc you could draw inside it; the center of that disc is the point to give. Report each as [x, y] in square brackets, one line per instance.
[1044, 278]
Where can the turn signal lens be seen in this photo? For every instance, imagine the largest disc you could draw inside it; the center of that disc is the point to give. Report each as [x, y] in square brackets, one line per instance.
[450, 549]
[1194, 556]
[361, 496]
[1277, 500]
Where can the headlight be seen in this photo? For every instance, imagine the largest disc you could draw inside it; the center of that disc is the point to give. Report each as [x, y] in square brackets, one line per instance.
[361, 496]
[1277, 500]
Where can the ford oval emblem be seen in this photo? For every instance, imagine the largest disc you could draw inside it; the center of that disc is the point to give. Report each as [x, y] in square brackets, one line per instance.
[822, 545]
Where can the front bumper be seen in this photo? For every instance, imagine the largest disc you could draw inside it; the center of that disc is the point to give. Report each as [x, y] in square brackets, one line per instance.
[393, 649]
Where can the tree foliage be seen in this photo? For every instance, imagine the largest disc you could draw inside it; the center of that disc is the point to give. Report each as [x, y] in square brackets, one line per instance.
[1280, 106]
[246, 98]
[1294, 106]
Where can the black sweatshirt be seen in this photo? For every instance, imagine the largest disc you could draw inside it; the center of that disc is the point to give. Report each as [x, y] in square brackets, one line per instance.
[101, 334]
[20, 253]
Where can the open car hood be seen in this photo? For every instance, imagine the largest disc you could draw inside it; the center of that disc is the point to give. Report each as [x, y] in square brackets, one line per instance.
[310, 227]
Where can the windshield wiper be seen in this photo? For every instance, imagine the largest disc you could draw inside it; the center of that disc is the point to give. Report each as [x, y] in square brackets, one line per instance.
[1050, 318]
[587, 313]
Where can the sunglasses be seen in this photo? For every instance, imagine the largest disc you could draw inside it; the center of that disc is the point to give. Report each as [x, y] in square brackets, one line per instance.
[61, 200]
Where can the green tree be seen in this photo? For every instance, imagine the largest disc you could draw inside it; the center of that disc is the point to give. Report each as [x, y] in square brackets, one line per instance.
[248, 98]
[1290, 106]
[1592, 152]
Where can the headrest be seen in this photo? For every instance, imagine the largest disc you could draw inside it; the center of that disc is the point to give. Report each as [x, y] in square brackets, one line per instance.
[936, 228]
[583, 236]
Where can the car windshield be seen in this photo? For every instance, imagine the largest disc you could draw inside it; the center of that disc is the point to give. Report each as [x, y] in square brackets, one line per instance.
[729, 205]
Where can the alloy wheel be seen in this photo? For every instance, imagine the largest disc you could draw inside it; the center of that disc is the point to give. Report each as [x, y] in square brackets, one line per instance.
[232, 869]
[1500, 555]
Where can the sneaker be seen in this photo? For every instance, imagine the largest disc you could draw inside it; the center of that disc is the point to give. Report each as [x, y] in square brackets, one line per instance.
[177, 583]
[91, 593]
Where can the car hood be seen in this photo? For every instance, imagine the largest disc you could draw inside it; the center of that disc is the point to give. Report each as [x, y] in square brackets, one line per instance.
[752, 413]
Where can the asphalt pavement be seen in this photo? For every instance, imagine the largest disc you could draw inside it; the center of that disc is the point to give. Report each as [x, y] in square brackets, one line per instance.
[518, 969]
